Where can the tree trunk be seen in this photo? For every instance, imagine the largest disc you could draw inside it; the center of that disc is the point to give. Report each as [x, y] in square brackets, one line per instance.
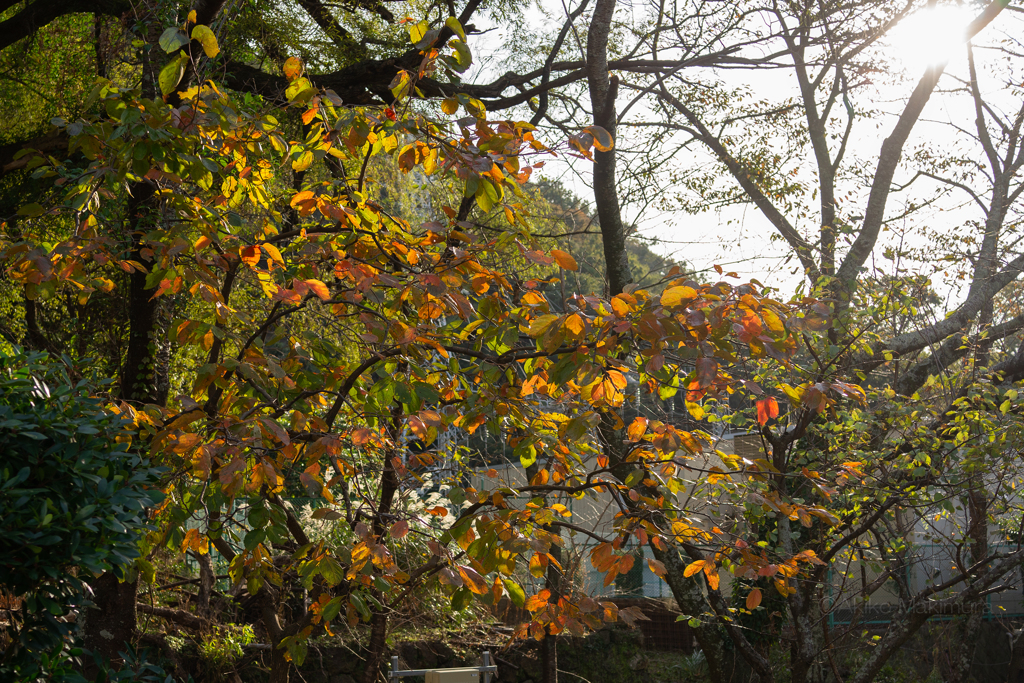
[111, 621]
[691, 602]
[969, 626]
[375, 648]
[603, 90]
[280, 668]
[388, 488]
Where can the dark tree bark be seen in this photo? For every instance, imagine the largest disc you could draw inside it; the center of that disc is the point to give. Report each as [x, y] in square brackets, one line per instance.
[111, 621]
[603, 91]
[388, 488]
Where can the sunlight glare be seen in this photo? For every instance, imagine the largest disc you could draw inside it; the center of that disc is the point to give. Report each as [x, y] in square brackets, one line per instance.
[929, 37]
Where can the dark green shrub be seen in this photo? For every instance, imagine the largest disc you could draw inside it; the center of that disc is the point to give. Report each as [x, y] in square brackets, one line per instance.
[72, 501]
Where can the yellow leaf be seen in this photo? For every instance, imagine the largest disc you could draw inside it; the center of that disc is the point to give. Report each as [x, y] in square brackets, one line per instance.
[304, 161]
[450, 105]
[564, 260]
[360, 553]
[537, 565]
[673, 296]
[273, 253]
[541, 324]
[207, 39]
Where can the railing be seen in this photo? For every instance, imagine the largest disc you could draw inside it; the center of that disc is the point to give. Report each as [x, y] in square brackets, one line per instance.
[446, 675]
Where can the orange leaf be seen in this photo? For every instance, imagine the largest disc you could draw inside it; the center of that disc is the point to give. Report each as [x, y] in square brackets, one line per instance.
[637, 429]
[656, 567]
[711, 572]
[402, 333]
[473, 581]
[574, 323]
[603, 140]
[292, 68]
[250, 255]
[320, 289]
[754, 598]
[195, 542]
[564, 260]
[538, 601]
[693, 568]
[620, 306]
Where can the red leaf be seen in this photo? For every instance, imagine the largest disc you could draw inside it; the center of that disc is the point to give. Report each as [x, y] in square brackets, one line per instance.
[767, 408]
[707, 369]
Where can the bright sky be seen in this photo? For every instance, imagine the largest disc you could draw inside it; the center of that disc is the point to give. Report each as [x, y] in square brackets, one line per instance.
[738, 238]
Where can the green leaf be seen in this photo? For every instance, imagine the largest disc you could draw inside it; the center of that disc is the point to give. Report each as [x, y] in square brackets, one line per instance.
[462, 58]
[515, 592]
[634, 478]
[456, 27]
[173, 39]
[331, 609]
[332, 572]
[461, 599]
[400, 85]
[30, 210]
[207, 39]
[298, 88]
[171, 74]
[147, 571]
[487, 195]
[359, 602]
